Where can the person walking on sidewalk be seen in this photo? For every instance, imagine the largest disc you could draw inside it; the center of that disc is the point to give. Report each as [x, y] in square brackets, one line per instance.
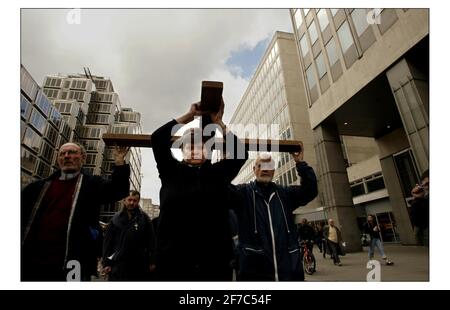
[333, 240]
[373, 229]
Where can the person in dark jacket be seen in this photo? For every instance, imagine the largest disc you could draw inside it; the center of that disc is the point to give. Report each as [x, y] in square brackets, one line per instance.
[374, 231]
[60, 217]
[193, 239]
[306, 234]
[420, 209]
[129, 246]
[268, 246]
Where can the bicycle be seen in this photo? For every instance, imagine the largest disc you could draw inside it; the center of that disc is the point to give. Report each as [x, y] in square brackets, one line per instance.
[309, 261]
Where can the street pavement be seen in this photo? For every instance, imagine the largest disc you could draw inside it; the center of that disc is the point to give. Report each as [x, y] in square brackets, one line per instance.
[411, 263]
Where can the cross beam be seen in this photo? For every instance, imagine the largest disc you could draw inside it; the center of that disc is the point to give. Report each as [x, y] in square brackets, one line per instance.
[135, 140]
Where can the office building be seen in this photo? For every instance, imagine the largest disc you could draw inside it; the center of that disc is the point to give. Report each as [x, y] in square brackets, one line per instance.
[365, 73]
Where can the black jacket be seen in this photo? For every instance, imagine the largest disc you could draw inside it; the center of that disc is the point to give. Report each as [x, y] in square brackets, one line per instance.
[193, 237]
[93, 191]
[420, 212]
[368, 229]
[265, 221]
[130, 240]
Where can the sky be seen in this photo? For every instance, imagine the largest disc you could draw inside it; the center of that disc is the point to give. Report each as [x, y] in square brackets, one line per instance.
[156, 58]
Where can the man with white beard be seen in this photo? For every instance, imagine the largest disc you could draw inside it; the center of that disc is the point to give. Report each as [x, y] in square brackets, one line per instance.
[268, 247]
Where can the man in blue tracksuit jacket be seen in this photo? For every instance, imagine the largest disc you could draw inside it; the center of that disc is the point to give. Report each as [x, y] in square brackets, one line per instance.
[268, 246]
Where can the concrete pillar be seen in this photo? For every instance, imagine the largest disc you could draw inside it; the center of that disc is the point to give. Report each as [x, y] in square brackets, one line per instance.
[397, 200]
[410, 88]
[334, 189]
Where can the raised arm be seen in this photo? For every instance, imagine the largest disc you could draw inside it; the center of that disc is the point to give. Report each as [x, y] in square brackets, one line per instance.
[235, 152]
[307, 190]
[161, 139]
[116, 188]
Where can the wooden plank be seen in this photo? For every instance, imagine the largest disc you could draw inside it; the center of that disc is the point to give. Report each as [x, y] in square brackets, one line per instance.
[253, 144]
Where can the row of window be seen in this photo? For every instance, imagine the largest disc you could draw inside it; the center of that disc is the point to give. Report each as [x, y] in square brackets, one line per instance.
[288, 178]
[103, 97]
[131, 117]
[65, 95]
[359, 19]
[94, 118]
[101, 84]
[27, 84]
[100, 107]
[92, 132]
[367, 185]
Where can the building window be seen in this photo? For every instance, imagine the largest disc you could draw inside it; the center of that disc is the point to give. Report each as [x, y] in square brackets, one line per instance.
[359, 17]
[323, 19]
[345, 37]
[375, 184]
[310, 77]
[304, 45]
[47, 151]
[42, 169]
[53, 82]
[65, 130]
[27, 160]
[332, 52]
[43, 103]
[321, 68]
[27, 84]
[38, 121]
[334, 11]
[56, 117]
[298, 18]
[77, 95]
[25, 107]
[312, 30]
[357, 189]
[51, 93]
[51, 135]
[31, 139]
[79, 84]
[91, 159]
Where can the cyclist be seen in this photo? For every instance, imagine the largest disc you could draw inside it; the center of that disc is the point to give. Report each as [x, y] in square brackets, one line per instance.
[306, 233]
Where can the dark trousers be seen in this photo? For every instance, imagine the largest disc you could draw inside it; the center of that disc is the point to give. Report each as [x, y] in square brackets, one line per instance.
[334, 251]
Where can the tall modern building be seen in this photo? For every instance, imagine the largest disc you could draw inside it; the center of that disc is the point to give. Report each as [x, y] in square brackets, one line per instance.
[365, 74]
[43, 130]
[78, 108]
[273, 106]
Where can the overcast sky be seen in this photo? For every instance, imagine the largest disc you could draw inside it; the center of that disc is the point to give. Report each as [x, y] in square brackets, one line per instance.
[155, 58]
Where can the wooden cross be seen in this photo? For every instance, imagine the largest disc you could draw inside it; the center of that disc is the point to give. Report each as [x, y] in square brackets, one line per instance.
[211, 99]
[251, 144]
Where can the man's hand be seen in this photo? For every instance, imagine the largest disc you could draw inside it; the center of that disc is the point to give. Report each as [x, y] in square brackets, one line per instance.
[107, 269]
[216, 117]
[119, 153]
[152, 267]
[298, 156]
[194, 110]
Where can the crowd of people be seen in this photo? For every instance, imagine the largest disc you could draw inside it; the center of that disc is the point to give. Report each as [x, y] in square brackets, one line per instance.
[208, 228]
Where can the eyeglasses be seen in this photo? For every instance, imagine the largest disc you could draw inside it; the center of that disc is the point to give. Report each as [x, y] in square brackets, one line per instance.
[68, 152]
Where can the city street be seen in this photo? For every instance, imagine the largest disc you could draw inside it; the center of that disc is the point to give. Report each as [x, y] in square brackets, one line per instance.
[411, 263]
